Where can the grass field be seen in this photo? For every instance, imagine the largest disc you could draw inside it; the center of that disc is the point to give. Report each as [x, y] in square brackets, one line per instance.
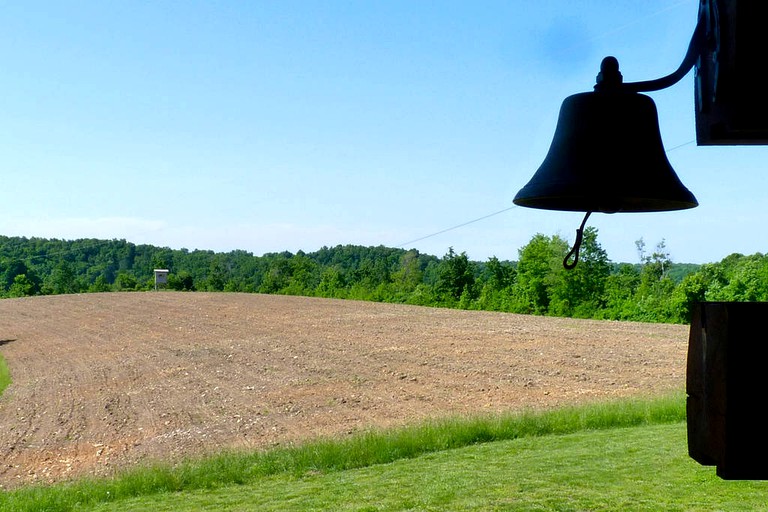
[626, 469]
[5, 375]
[629, 455]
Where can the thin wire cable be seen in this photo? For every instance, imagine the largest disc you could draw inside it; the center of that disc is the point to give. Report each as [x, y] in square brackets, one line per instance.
[500, 211]
[681, 145]
[457, 226]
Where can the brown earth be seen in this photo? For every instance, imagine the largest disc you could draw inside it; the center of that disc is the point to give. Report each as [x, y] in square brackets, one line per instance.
[102, 381]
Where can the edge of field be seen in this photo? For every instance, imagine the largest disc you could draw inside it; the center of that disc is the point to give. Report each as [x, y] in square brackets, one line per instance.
[331, 455]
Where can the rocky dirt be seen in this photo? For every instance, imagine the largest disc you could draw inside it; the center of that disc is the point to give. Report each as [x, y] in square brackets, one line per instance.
[103, 381]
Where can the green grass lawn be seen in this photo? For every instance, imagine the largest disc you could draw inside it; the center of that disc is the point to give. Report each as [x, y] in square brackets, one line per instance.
[627, 469]
[5, 375]
[620, 456]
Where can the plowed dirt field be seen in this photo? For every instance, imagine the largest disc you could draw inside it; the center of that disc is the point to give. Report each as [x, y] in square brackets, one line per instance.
[103, 381]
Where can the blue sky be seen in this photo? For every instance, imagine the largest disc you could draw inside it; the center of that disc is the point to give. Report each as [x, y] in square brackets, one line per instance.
[290, 125]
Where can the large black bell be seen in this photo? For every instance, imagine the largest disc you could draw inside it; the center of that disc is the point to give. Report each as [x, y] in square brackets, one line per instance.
[606, 156]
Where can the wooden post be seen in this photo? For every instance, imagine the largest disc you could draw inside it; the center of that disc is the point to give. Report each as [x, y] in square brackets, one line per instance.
[727, 383]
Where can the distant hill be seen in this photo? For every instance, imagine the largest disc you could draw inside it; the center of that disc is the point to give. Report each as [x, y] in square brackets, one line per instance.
[658, 290]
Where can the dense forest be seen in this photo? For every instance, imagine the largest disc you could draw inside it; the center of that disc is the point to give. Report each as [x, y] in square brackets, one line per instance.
[655, 289]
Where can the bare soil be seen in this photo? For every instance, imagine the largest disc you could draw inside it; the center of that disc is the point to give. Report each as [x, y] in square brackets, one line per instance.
[103, 381]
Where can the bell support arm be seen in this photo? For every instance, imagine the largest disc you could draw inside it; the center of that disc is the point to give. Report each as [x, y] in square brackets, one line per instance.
[610, 78]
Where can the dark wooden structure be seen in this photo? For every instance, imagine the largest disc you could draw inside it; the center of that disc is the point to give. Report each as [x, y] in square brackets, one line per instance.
[730, 86]
[727, 385]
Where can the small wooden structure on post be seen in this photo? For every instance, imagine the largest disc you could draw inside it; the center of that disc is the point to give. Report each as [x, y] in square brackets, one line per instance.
[161, 277]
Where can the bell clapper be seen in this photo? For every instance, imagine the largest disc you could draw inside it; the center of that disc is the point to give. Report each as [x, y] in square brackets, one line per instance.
[576, 246]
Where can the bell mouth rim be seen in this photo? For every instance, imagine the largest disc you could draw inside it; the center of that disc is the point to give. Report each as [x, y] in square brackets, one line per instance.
[633, 204]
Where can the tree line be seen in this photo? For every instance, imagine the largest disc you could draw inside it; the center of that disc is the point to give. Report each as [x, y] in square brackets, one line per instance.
[654, 289]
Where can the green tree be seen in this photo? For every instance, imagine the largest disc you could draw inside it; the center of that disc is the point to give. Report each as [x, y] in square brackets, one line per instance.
[181, 281]
[497, 279]
[100, 284]
[162, 258]
[62, 280]
[22, 286]
[331, 284]
[580, 291]
[11, 269]
[656, 265]
[304, 275]
[653, 298]
[538, 269]
[620, 288]
[745, 283]
[216, 278]
[29, 284]
[456, 277]
[125, 281]
[408, 276]
[692, 289]
[278, 274]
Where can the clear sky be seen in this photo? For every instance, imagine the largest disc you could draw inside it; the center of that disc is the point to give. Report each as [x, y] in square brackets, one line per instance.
[292, 125]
